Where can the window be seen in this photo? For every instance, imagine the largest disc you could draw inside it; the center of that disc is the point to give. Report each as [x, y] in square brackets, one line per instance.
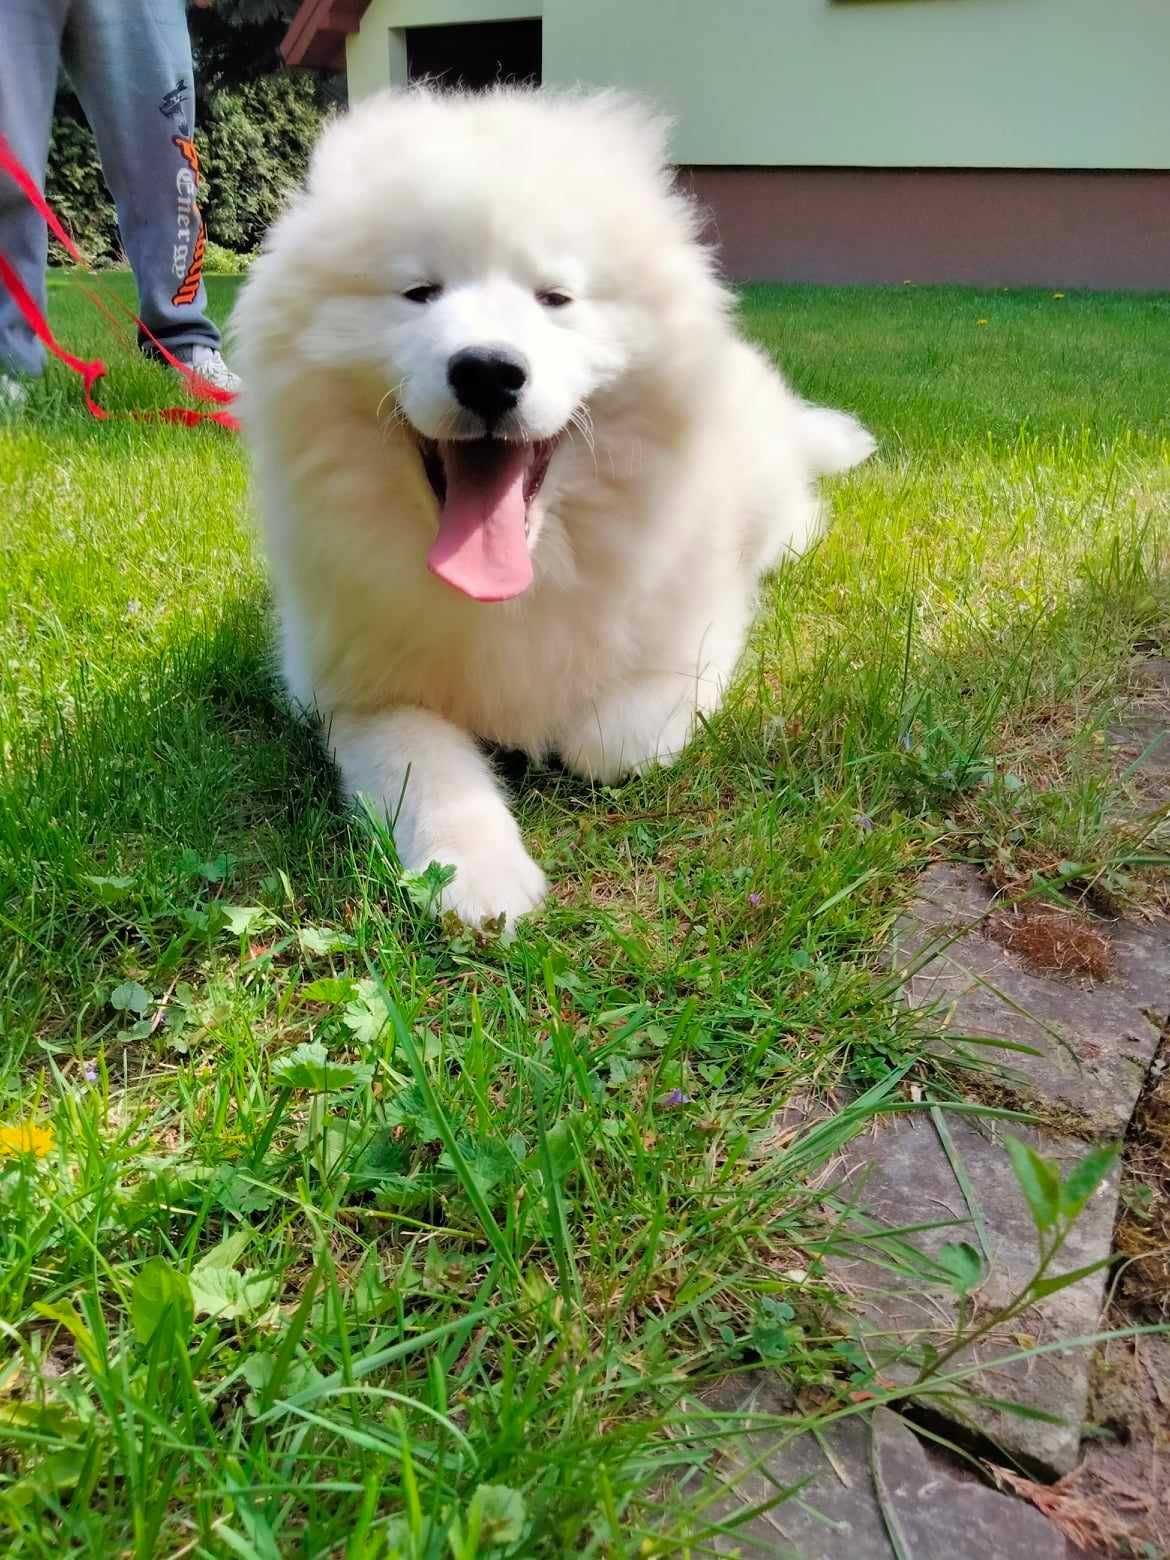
[475, 54]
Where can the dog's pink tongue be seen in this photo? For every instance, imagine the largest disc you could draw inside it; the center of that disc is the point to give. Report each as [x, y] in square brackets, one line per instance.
[482, 548]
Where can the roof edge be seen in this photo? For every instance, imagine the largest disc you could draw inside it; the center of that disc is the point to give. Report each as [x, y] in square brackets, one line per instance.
[316, 35]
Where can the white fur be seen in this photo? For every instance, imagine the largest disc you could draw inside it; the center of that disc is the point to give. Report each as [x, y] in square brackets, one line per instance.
[687, 470]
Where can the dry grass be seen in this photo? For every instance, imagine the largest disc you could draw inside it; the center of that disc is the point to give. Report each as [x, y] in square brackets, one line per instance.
[1095, 1514]
[1054, 941]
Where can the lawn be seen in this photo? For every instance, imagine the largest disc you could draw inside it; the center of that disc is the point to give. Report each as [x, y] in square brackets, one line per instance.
[325, 1229]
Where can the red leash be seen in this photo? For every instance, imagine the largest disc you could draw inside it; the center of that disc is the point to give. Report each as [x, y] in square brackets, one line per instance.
[90, 371]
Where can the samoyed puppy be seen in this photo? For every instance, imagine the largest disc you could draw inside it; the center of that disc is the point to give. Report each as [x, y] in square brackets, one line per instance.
[518, 475]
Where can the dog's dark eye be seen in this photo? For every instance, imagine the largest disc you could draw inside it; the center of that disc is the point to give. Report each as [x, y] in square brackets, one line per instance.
[424, 294]
[553, 298]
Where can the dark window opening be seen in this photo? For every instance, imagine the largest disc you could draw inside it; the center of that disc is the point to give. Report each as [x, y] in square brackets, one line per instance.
[475, 54]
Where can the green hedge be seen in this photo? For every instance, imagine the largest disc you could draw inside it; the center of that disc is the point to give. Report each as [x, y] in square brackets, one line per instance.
[254, 143]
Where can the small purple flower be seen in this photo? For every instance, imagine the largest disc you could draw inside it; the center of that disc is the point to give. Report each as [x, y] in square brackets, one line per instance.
[864, 822]
[755, 899]
[676, 1097]
[91, 1074]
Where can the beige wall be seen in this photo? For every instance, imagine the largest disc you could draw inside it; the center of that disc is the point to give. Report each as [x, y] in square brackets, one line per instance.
[854, 83]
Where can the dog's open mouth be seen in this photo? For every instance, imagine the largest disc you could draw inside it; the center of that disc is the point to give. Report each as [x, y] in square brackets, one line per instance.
[484, 488]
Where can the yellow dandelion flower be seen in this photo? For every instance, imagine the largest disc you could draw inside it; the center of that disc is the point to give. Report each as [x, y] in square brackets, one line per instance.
[25, 1137]
[981, 322]
[1058, 295]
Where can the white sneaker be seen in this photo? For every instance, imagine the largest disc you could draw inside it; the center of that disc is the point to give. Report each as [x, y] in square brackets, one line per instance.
[208, 363]
[13, 395]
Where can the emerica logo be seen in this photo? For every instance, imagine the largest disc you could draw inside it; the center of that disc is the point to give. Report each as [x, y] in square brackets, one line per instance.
[188, 260]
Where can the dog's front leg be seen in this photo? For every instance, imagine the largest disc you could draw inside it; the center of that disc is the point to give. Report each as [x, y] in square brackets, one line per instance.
[436, 787]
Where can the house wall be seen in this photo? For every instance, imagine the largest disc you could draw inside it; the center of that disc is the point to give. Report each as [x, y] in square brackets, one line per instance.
[1002, 142]
[855, 83]
[887, 83]
[998, 227]
[375, 56]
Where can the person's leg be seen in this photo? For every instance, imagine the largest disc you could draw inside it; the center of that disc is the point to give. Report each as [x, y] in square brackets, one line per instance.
[130, 61]
[30, 52]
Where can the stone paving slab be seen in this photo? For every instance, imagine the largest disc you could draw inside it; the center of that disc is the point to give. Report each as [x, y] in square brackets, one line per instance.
[1095, 1042]
[1094, 1045]
[937, 1510]
[901, 1175]
[1143, 737]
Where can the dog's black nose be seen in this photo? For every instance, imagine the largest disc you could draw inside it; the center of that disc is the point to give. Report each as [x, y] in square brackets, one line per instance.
[487, 380]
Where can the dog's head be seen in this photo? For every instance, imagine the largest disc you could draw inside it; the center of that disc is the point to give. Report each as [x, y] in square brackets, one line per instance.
[488, 270]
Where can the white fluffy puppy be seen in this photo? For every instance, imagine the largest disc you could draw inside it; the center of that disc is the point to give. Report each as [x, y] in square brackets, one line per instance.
[518, 475]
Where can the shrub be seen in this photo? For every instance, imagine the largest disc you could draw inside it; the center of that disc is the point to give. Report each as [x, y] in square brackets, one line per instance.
[218, 261]
[77, 191]
[254, 145]
[254, 142]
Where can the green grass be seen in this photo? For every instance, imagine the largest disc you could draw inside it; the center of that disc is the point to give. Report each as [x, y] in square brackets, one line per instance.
[293, 1278]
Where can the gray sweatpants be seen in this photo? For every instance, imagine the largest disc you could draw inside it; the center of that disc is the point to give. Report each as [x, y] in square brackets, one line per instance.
[130, 64]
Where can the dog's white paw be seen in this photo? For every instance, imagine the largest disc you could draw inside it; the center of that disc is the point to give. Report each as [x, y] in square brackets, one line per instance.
[494, 876]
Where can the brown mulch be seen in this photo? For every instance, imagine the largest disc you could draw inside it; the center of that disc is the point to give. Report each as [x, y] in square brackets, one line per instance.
[1054, 940]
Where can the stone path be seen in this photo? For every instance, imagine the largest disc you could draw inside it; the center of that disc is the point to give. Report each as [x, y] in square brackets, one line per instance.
[1093, 1045]
[910, 1180]
[1143, 738]
[867, 1476]
[1090, 1043]
[1095, 1042]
